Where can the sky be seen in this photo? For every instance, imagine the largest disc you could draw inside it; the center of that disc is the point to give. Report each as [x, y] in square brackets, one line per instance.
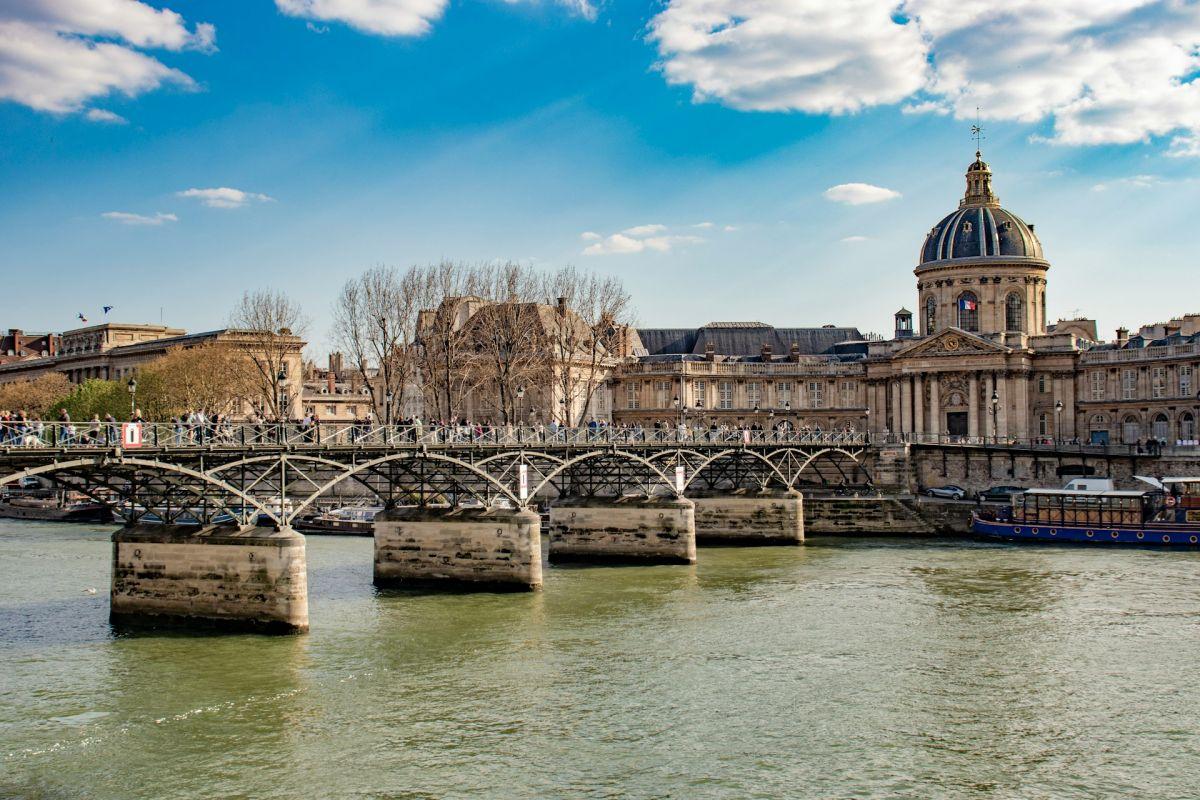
[769, 160]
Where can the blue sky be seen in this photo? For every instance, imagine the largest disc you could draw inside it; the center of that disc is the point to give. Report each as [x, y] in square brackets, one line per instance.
[686, 146]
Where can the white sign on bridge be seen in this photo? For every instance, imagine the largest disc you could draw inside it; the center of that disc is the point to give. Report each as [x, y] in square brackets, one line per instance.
[131, 434]
[523, 481]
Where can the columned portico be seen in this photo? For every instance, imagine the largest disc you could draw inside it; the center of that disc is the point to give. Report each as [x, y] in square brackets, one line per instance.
[918, 405]
[935, 405]
[973, 406]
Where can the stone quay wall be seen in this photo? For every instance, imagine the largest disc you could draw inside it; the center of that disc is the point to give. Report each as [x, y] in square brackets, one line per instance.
[498, 549]
[750, 518]
[884, 516]
[215, 576]
[627, 530]
[976, 469]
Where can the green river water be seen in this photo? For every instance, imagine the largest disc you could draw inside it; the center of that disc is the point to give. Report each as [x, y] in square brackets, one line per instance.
[840, 669]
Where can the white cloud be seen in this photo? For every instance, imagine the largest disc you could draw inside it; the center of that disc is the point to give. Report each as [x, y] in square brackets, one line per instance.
[126, 218]
[926, 107]
[382, 17]
[858, 194]
[100, 115]
[638, 239]
[644, 230]
[1100, 71]
[730, 228]
[56, 55]
[704, 225]
[224, 197]
[854, 239]
[1132, 182]
[1187, 146]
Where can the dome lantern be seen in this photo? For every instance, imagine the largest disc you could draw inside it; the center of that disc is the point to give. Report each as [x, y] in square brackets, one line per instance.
[979, 185]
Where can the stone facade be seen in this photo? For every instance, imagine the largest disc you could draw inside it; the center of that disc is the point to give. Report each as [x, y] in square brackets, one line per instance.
[498, 549]
[217, 576]
[629, 529]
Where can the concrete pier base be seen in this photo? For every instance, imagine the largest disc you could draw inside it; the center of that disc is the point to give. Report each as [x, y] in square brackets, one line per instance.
[486, 549]
[215, 576]
[750, 519]
[632, 530]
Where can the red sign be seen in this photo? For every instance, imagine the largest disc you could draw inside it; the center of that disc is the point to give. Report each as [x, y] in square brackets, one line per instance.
[131, 434]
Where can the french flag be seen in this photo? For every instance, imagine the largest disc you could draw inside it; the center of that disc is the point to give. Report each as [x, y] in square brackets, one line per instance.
[967, 304]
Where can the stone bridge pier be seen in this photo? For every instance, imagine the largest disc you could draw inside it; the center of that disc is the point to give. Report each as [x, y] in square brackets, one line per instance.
[629, 529]
[214, 576]
[494, 549]
[768, 517]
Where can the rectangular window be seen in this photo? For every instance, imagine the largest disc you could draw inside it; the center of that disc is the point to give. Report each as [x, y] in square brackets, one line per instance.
[1158, 382]
[1185, 380]
[1099, 385]
[848, 399]
[699, 390]
[662, 394]
[1041, 382]
[783, 392]
[1129, 384]
[816, 394]
[753, 394]
[725, 394]
[631, 396]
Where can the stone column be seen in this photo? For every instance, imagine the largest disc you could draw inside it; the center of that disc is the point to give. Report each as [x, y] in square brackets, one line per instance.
[1002, 380]
[1019, 425]
[918, 405]
[935, 406]
[973, 405]
[906, 404]
[896, 426]
[1068, 412]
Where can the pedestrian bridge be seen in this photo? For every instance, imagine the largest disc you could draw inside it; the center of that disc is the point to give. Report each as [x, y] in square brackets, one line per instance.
[276, 473]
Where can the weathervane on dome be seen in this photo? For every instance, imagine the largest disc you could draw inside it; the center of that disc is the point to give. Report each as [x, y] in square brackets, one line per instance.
[977, 134]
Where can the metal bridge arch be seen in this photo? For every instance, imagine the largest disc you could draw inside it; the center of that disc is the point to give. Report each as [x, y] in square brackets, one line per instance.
[600, 454]
[104, 461]
[736, 453]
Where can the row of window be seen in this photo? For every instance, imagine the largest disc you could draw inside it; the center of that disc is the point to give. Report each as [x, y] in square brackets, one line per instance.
[778, 394]
[967, 308]
[1132, 431]
[1160, 386]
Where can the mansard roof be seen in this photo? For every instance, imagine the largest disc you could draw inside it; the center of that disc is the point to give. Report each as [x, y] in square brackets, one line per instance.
[744, 339]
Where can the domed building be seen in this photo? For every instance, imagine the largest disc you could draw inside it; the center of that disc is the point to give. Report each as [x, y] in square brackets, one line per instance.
[981, 267]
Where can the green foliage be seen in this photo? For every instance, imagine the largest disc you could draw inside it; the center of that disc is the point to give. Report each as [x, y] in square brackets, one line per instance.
[95, 396]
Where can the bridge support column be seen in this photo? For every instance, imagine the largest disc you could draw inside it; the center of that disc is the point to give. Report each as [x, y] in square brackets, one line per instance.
[490, 549]
[217, 576]
[752, 518]
[634, 530]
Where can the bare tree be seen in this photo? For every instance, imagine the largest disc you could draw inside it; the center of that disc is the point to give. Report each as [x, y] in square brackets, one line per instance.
[268, 326]
[447, 298]
[213, 378]
[375, 322]
[593, 317]
[508, 340]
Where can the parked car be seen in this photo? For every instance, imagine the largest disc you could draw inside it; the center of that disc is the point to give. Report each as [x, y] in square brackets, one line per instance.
[947, 492]
[1000, 494]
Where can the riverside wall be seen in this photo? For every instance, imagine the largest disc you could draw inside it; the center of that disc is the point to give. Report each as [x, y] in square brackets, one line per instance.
[635, 530]
[750, 518]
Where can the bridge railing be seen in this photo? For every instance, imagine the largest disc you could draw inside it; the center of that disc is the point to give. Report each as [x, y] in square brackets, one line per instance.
[1059, 445]
[78, 435]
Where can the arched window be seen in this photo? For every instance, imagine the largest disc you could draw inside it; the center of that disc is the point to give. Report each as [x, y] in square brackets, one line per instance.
[1131, 430]
[1014, 313]
[1187, 427]
[1161, 428]
[930, 314]
[968, 311]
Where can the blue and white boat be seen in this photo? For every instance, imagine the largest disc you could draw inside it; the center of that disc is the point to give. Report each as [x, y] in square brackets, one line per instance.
[1167, 515]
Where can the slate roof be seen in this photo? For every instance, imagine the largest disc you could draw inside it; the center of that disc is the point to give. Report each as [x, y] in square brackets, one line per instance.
[975, 231]
[744, 339]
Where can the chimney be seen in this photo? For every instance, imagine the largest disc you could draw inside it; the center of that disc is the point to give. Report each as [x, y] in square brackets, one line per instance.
[562, 306]
[795, 354]
[329, 379]
[1170, 329]
[766, 352]
[1122, 335]
[710, 351]
[336, 363]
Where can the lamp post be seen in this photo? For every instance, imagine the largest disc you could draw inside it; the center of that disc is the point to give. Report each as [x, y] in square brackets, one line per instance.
[132, 387]
[680, 407]
[1058, 407]
[995, 417]
[280, 377]
[387, 408]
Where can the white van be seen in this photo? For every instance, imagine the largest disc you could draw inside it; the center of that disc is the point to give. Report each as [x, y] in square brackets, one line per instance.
[1089, 485]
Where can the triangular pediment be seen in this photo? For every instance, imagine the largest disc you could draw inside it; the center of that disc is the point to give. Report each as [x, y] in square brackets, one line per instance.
[951, 342]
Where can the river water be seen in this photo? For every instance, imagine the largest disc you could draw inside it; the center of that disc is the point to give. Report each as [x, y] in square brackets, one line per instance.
[841, 669]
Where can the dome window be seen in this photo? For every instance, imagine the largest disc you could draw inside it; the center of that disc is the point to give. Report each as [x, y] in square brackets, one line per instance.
[968, 312]
[1014, 313]
[966, 227]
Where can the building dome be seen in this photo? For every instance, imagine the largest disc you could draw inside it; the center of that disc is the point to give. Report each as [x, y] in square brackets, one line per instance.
[980, 228]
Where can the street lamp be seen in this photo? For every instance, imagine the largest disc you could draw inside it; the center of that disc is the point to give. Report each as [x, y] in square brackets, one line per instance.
[680, 407]
[387, 410]
[132, 387]
[279, 379]
[1058, 407]
[995, 416]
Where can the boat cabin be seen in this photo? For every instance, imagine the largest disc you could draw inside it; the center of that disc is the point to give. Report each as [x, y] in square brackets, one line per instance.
[1094, 509]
